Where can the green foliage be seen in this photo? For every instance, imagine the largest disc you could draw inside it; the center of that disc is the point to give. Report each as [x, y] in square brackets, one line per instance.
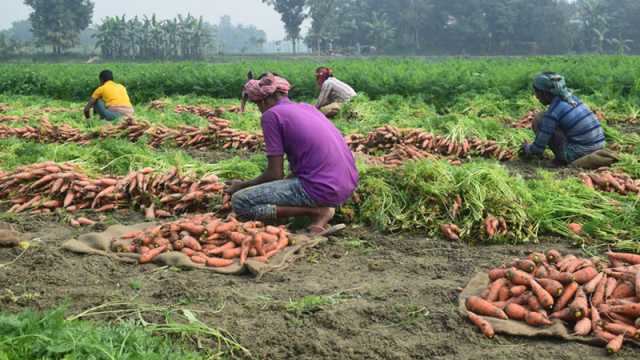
[440, 84]
[32, 335]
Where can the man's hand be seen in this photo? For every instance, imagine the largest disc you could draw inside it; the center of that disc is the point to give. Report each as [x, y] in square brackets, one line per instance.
[87, 113]
[234, 186]
[524, 150]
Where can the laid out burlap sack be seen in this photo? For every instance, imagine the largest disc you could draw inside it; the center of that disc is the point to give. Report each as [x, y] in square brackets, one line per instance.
[511, 327]
[103, 244]
[596, 160]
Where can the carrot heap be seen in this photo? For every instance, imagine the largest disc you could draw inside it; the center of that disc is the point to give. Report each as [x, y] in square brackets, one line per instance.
[605, 180]
[43, 188]
[207, 240]
[217, 134]
[388, 137]
[594, 297]
[526, 121]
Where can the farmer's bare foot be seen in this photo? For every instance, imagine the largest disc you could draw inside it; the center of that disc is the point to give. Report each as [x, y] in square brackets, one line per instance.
[321, 219]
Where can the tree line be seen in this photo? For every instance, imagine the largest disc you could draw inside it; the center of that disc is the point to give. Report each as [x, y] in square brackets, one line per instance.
[473, 27]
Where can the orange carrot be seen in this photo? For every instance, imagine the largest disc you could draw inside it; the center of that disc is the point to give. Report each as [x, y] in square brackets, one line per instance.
[553, 256]
[537, 258]
[484, 326]
[494, 289]
[564, 315]
[566, 296]
[553, 287]
[483, 307]
[515, 311]
[563, 277]
[580, 305]
[192, 243]
[517, 290]
[85, 221]
[632, 310]
[537, 319]
[218, 262]
[590, 287]
[504, 294]
[603, 335]
[232, 253]
[187, 251]
[615, 345]
[199, 259]
[226, 227]
[518, 277]
[541, 272]
[610, 287]
[533, 303]
[546, 300]
[272, 230]
[495, 274]
[258, 244]
[194, 229]
[237, 237]
[151, 254]
[583, 327]
[575, 228]
[246, 246]
[632, 259]
[621, 329]
[595, 318]
[623, 290]
[598, 296]
[178, 245]
[585, 275]
[525, 265]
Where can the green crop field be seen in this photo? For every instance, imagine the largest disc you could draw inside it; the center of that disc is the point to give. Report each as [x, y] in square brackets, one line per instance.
[457, 100]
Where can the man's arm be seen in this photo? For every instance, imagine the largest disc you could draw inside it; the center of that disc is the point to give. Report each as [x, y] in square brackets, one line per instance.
[548, 127]
[87, 109]
[274, 171]
[323, 98]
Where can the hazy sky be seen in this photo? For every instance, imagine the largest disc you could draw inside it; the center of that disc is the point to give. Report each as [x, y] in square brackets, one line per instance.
[241, 11]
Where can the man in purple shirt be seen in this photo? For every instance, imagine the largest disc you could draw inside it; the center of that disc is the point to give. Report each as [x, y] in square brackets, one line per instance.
[323, 171]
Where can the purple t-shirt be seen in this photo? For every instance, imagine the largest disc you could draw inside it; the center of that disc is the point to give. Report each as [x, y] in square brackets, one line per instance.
[315, 148]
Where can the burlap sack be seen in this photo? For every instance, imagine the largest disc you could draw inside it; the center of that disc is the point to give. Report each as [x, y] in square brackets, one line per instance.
[596, 160]
[511, 327]
[102, 244]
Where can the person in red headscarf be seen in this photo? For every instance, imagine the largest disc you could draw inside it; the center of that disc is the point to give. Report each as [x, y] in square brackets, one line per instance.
[323, 173]
[333, 92]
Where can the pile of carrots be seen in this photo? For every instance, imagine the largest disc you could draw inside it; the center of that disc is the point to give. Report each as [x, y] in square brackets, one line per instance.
[388, 137]
[492, 226]
[43, 188]
[205, 112]
[526, 121]
[207, 240]
[217, 134]
[593, 296]
[606, 180]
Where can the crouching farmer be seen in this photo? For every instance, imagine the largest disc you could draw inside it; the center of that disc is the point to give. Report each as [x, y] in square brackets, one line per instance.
[568, 127]
[110, 101]
[333, 92]
[323, 170]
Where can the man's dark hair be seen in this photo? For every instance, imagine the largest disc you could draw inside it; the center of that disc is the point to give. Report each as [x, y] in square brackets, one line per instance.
[106, 75]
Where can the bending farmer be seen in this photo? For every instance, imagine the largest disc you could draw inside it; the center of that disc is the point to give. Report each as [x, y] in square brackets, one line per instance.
[333, 92]
[568, 127]
[110, 100]
[323, 170]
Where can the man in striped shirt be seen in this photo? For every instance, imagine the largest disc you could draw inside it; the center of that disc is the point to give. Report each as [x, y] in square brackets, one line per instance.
[333, 92]
[568, 127]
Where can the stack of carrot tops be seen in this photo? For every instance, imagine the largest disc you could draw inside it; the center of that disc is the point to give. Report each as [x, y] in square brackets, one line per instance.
[207, 240]
[595, 297]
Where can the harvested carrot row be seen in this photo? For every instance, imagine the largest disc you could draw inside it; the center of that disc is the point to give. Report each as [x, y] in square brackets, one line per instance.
[590, 296]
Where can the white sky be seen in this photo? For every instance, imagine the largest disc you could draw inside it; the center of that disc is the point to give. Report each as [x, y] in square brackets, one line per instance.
[247, 12]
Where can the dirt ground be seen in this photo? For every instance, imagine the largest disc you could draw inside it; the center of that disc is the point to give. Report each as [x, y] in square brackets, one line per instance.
[393, 297]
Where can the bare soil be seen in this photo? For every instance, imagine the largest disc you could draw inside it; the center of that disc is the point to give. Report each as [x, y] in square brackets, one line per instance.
[394, 297]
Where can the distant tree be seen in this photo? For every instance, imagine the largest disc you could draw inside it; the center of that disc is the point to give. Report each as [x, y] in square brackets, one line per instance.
[58, 23]
[292, 14]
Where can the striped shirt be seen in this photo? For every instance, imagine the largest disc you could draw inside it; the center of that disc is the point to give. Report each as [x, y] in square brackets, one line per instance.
[580, 126]
[334, 90]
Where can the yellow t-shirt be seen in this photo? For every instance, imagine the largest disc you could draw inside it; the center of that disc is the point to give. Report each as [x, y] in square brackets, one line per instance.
[112, 94]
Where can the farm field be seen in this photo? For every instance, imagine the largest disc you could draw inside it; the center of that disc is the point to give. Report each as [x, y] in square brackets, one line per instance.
[436, 144]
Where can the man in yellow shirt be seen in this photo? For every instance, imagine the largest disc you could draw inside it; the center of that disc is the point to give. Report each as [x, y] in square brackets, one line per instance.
[110, 100]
